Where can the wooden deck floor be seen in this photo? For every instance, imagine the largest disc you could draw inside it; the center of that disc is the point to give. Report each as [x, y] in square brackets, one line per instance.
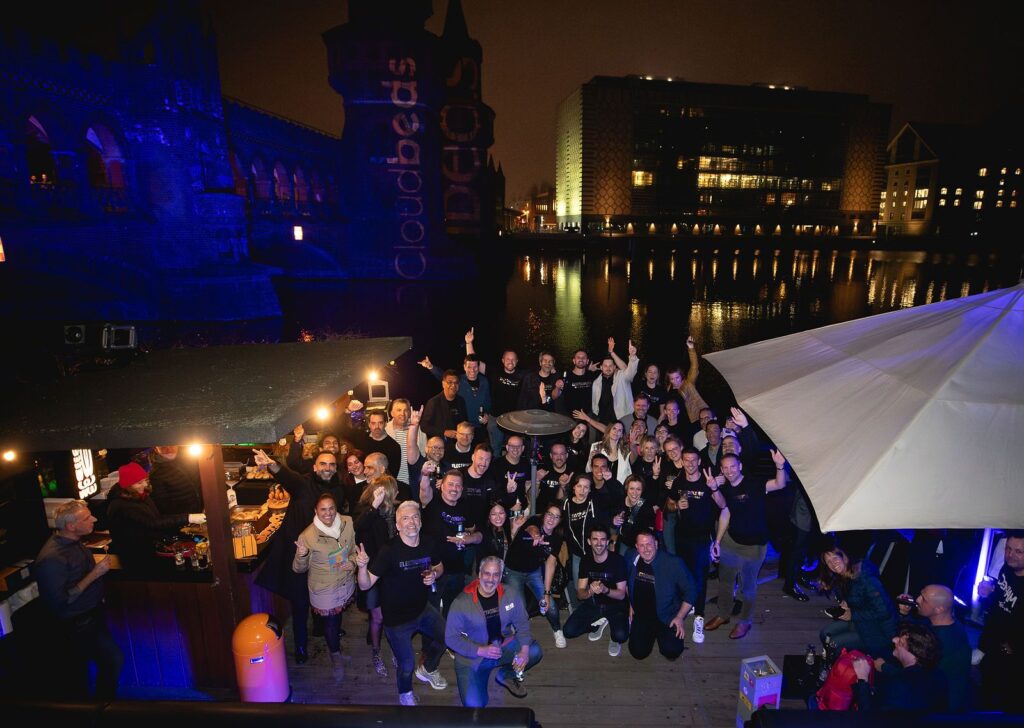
[581, 685]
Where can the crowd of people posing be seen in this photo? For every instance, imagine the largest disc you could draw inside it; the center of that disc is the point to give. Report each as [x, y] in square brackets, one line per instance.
[422, 517]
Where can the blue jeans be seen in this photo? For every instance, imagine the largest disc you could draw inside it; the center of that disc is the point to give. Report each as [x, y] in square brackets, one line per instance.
[573, 569]
[90, 640]
[448, 587]
[696, 553]
[473, 681]
[535, 580]
[430, 625]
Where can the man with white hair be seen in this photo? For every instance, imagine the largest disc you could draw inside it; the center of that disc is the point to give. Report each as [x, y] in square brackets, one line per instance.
[406, 568]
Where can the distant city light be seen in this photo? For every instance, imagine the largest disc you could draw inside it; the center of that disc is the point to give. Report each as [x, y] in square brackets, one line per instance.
[297, 232]
[10, 455]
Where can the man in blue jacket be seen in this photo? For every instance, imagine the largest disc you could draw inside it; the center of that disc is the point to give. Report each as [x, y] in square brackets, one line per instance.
[475, 390]
[488, 627]
[661, 591]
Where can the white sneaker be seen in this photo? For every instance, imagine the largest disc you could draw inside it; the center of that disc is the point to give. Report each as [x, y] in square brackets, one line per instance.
[614, 648]
[559, 640]
[434, 679]
[698, 630]
[407, 699]
[600, 624]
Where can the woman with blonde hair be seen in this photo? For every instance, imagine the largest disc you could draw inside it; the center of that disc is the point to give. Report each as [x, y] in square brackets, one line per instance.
[375, 526]
[616, 447]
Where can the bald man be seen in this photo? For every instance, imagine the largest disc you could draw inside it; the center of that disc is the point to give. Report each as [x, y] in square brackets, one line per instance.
[935, 603]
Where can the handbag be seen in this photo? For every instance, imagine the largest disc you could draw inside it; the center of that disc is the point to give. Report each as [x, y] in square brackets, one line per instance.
[559, 580]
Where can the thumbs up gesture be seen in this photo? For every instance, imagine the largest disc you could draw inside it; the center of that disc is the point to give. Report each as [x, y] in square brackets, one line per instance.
[361, 557]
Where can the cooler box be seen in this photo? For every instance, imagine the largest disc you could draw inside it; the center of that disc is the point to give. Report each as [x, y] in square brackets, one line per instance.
[760, 687]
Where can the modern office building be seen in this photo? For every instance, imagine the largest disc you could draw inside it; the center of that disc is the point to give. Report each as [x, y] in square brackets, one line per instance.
[664, 156]
[951, 181]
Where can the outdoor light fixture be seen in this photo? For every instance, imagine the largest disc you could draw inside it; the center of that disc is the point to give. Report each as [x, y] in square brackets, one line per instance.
[195, 449]
[10, 456]
[371, 376]
[297, 232]
[323, 414]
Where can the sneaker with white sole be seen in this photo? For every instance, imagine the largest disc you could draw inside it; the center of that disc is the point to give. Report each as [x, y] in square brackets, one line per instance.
[378, 665]
[596, 635]
[407, 699]
[434, 679]
[559, 640]
[614, 648]
[698, 630]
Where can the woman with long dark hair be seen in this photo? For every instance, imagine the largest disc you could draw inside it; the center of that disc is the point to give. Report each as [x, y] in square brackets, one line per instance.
[868, 622]
[375, 526]
[578, 511]
[498, 532]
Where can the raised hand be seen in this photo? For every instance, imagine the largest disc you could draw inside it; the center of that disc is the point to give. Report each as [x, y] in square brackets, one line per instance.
[580, 415]
[511, 485]
[690, 343]
[261, 457]
[426, 363]
[538, 539]
[778, 458]
[564, 478]
[631, 348]
[299, 432]
[378, 496]
[611, 344]
[656, 468]
[300, 547]
[541, 473]
[414, 417]
[710, 477]
[354, 405]
[361, 557]
[469, 336]
[739, 417]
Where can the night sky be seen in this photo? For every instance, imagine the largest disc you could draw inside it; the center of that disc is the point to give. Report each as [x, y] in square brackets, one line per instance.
[947, 62]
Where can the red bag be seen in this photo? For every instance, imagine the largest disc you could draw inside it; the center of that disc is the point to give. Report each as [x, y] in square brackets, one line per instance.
[836, 693]
[659, 521]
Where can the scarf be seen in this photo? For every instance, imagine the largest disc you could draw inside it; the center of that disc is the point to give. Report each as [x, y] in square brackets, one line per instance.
[332, 531]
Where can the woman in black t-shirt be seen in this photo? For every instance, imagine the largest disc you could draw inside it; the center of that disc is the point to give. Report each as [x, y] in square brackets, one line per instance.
[498, 532]
[635, 515]
[578, 511]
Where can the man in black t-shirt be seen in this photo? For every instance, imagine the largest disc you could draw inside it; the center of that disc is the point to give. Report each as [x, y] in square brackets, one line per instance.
[459, 452]
[579, 382]
[742, 539]
[531, 560]
[444, 411]
[406, 568]
[553, 478]
[601, 590]
[512, 465]
[607, 492]
[451, 523]
[541, 389]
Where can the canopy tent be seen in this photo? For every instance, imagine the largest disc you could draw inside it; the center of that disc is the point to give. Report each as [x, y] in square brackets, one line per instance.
[217, 394]
[908, 419]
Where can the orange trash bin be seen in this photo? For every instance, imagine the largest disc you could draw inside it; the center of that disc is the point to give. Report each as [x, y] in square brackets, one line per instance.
[260, 663]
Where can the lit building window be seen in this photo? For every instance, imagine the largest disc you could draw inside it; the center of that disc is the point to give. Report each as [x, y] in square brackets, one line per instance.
[769, 199]
[921, 193]
[944, 191]
[920, 204]
[999, 193]
[881, 206]
[980, 194]
[1002, 171]
[679, 163]
[1013, 203]
[642, 179]
[1017, 171]
[959, 191]
[999, 203]
[883, 194]
[942, 202]
[788, 198]
[977, 204]
[297, 232]
[983, 171]
[956, 203]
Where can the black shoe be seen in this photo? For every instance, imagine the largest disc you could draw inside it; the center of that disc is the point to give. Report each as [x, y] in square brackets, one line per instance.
[737, 606]
[510, 683]
[300, 656]
[795, 593]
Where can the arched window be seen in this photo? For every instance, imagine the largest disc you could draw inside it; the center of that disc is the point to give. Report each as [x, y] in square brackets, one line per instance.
[316, 188]
[260, 180]
[282, 183]
[301, 188]
[41, 168]
[104, 162]
[241, 186]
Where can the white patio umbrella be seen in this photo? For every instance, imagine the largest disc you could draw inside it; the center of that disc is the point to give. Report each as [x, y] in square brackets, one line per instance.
[907, 419]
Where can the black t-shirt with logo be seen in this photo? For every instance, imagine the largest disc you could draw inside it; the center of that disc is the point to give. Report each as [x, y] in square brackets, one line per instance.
[656, 394]
[697, 522]
[645, 602]
[609, 572]
[491, 615]
[499, 472]
[748, 520]
[505, 392]
[547, 487]
[607, 499]
[454, 459]
[440, 521]
[399, 568]
[477, 494]
[523, 556]
[578, 392]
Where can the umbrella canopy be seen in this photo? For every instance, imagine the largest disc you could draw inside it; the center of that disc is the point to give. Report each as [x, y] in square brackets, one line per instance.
[908, 419]
[217, 394]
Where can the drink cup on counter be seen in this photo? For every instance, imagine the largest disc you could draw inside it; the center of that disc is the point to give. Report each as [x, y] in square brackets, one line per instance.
[179, 556]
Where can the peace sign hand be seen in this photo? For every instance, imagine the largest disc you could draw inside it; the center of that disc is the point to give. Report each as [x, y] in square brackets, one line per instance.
[656, 468]
[710, 476]
[511, 485]
[361, 557]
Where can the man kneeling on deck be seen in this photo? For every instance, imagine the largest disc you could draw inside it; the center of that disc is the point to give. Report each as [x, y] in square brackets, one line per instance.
[661, 591]
[488, 628]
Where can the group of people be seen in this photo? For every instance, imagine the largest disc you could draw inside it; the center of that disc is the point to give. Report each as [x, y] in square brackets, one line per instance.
[643, 495]
[422, 519]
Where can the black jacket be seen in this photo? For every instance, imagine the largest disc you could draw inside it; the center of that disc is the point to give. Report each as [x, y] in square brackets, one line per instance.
[136, 525]
[437, 415]
[175, 486]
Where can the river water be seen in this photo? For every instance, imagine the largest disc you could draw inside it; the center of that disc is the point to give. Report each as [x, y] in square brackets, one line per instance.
[565, 301]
